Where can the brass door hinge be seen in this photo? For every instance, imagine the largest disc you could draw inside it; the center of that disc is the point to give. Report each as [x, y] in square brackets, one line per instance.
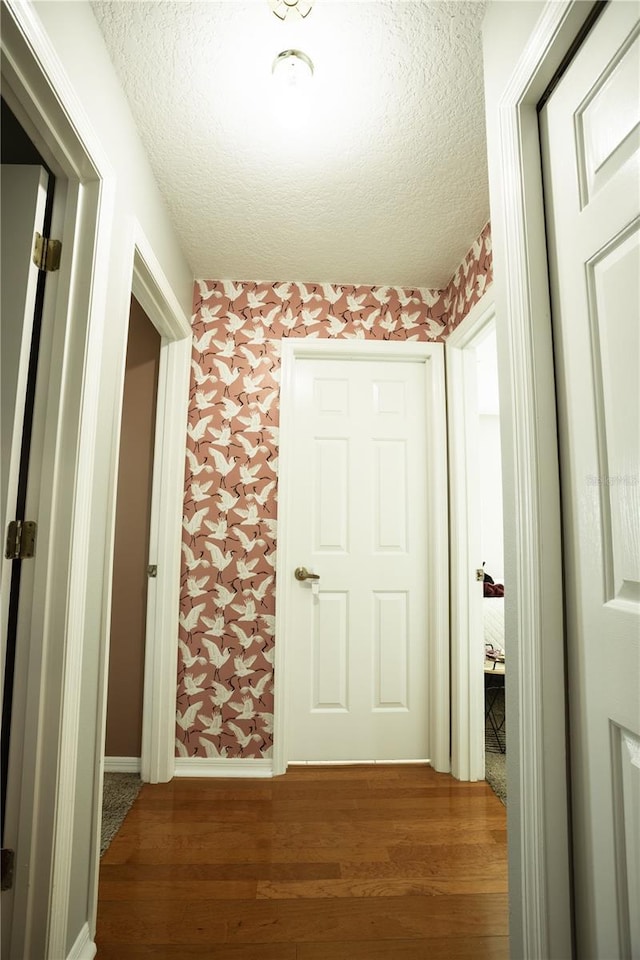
[8, 861]
[21, 540]
[46, 253]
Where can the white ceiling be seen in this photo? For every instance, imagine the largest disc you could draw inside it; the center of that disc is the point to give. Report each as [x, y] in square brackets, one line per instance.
[375, 174]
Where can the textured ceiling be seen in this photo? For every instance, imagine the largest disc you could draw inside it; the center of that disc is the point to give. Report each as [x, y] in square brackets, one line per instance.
[375, 174]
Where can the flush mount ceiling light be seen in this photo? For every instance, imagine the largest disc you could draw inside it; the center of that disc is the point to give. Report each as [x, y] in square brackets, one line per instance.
[289, 8]
[293, 68]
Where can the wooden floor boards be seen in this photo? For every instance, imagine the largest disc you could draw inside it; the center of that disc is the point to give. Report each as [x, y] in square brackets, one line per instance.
[325, 863]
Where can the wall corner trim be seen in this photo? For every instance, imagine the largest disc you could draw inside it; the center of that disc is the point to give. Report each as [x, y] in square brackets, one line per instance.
[84, 948]
[122, 764]
[222, 767]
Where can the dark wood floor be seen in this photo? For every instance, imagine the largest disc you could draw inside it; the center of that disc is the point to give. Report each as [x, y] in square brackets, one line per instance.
[325, 863]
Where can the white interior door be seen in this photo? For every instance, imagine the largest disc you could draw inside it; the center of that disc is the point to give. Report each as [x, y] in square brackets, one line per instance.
[24, 195]
[359, 674]
[591, 137]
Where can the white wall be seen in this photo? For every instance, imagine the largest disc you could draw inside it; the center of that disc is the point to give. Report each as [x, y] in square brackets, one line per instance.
[490, 457]
[77, 42]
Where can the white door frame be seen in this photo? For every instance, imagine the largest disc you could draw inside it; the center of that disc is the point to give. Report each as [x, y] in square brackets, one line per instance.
[467, 678]
[62, 484]
[538, 813]
[431, 354]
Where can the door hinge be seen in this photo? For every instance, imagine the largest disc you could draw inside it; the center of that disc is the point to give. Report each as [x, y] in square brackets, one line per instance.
[21, 540]
[46, 253]
[8, 862]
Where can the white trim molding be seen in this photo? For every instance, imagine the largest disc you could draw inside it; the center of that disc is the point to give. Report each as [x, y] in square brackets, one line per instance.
[538, 819]
[84, 948]
[467, 657]
[429, 353]
[220, 767]
[122, 765]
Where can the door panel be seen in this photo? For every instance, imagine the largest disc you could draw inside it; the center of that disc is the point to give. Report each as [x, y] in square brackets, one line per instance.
[360, 653]
[591, 138]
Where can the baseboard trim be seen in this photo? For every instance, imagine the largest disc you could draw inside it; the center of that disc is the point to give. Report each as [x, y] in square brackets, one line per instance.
[122, 764]
[219, 767]
[84, 948]
[359, 763]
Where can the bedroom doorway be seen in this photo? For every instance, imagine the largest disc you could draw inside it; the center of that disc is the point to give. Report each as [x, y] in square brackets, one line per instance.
[476, 536]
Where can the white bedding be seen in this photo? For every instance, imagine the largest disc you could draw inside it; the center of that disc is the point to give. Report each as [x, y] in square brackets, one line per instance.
[493, 616]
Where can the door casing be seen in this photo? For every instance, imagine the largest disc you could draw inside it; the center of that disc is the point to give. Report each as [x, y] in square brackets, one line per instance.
[433, 355]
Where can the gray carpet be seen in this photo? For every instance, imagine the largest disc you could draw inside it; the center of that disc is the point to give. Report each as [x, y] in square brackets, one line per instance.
[494, 759]
[119, 792]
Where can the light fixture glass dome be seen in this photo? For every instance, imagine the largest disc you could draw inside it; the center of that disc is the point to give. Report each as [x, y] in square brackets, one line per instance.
[292, 68]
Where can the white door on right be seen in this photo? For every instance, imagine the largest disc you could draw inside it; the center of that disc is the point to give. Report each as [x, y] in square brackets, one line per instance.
[591, 147]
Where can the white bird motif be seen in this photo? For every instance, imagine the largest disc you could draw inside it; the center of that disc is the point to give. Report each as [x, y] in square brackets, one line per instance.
[257, 336]
[199, 377]
[200, 491]
[288, 320]
[388, 322]
[243, 667]
[245, 710]
[218, 529]
[215, 628]
[332, 294]
[210, 313]
[263, 495]
[230, 408]
[231, 290]
[249, 516]
[220, 694]
[219, 560]
[271, 527]
[247, 611]
[309, 317]
[202, 343]
[189, 620]
[198, 430]
[225, 348]
[243, 739]
[245, 568]
[222, 437]
[192, 562]
[223, 465]
[192, 685]
[254, 300]
[194, 587]
[269, 623]
[235, 323]
[245, 639]
[270, 317]
[188, 658]
[248, 475]
[248, 543]
[306, 295]
[259, 592]
[434, 328]
[381, 294]
[249, 448]
[226, 501]
[211, 751]
[203, 400]
[409, 320]
[195, 466]
[336, 326]
[211, 725]
[224, 595]
[368, 321]
[217, 656]
[226, 374]
[283, 291]
[264, 405]
[267, 722]
[403, 299]
[254, 362]
[252, 424]
[203, 289]
[271, 558]
[257, 692]
[194, 524]
[186, 719]
[356, 304]
[252, 384]
[430, 297]
[181, 749]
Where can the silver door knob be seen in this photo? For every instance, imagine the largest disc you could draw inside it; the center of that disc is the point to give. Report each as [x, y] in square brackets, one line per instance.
[301, 573]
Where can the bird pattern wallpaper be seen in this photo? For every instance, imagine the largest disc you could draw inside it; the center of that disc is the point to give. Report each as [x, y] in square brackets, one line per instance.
[227, 607]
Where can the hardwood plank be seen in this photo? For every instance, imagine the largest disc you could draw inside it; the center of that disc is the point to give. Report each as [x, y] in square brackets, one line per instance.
[143, 872]
[467, 948]
[172, 889]
[380, 887]
[198, 951]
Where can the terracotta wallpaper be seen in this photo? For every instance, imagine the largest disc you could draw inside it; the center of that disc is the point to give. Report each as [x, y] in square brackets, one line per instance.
[227, 616]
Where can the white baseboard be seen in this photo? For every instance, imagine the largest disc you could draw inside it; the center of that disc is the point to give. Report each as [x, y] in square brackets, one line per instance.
[84, 948]
[359, 763]
[122, 764]
[214, 767]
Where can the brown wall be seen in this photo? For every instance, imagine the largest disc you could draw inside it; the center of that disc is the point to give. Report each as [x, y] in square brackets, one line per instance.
[128, 608]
